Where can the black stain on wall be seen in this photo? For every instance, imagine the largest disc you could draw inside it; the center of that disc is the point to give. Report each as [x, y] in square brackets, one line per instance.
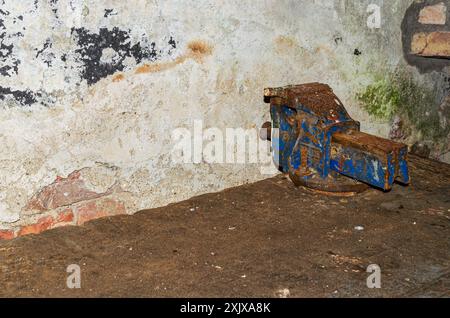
[447, 83]
[5, 53]
[109, 12]
[91, 46]
[53, 5]
[172, 43]
[89, 53]
[338, 39]
[23, 97]
[9, 64]
[5, 49]
[45, 53]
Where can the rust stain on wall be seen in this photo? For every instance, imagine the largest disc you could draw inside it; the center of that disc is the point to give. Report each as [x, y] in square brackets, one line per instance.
[284, 44]
[323, 49]
[285, 41]
[158, 67]
[197, 50]
[118, 77]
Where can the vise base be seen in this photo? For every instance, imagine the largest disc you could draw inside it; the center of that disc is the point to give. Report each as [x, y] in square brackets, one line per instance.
[320, 146]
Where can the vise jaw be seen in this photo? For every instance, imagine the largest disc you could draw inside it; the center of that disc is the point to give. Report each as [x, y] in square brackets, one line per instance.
[321, 147]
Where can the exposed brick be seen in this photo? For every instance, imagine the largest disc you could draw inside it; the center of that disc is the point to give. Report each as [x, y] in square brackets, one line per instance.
[100, 208]
[63, 192]
[87, 211]
[434, 44]
[6, 234]
[42, 224]
[436, 14]
[419, 43]
[64, 217]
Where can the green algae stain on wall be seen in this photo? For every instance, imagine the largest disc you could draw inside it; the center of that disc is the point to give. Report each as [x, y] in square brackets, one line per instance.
[399, 95]
[380, 99]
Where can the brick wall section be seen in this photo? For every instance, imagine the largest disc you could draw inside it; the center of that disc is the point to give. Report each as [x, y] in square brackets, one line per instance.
[66, 201]
[435, 43]
[6, 234]
[42, 224]
[434, 14]
[99, 208]
[75, 215]
[62, 192]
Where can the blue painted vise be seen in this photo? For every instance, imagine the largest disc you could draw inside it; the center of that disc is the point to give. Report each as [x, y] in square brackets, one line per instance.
[320, 146]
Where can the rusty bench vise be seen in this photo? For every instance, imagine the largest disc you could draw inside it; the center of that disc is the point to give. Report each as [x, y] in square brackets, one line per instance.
[321, 147]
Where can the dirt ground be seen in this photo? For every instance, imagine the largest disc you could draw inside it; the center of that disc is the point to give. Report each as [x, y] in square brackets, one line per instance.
[258, 240]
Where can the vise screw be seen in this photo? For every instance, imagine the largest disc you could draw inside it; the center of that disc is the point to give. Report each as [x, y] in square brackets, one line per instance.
[321, 147]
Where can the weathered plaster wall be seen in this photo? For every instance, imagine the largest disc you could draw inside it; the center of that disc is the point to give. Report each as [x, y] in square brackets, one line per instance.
[91, 90]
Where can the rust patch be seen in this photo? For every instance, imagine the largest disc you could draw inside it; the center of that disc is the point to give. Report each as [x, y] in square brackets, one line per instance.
[304, 158]
[158, 67]
[118, 77]
[317, 97]
[284, 42]
[368, 143]
[197, 50]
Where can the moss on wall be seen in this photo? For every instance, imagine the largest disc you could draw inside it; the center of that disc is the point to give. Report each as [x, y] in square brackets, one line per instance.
[380, 99]
[399, 95]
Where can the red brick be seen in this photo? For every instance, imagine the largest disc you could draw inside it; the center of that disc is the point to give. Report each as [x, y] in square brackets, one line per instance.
[434, 44]
[435, 14]
[6, 234]
[62, 192]
[42, 224]
[98, 209]
[65, 216]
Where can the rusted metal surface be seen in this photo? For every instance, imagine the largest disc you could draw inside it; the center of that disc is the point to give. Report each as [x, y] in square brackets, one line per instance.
[368, 143]
[314, 98]
[369, 158]
[318, 142]
[333, 184]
